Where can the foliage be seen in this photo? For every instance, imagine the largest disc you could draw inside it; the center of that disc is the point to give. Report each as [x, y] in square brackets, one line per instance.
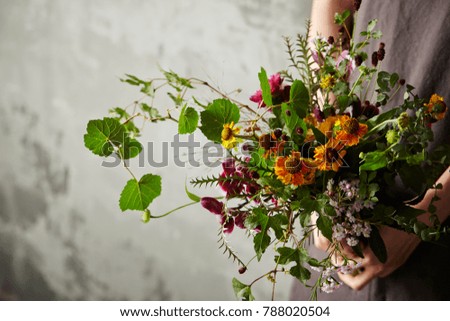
[320, 151]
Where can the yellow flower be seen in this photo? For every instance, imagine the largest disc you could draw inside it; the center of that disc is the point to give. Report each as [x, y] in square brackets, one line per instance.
[327, 82]
[351, 131]
[228, 135]
[295, 170]
[436, 107]
[330, 156]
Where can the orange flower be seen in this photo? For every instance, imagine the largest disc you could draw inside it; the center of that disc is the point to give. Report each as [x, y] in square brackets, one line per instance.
[329, 156]
[294, 170]
[326, 127]
[351, 131]
[436, 107]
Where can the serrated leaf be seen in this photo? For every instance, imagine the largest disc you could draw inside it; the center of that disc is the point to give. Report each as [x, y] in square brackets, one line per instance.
[242, 291]
[138, 195]
[288, 255]
[261, 240]
[188, 121]
[130, 148]
[325, 226]
[299, 97]
[151, 111]
[102, 134]
[265, 87]
[218, 113]
[371, 25]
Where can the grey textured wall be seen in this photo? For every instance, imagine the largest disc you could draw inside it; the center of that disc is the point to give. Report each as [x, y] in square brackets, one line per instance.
[62, 235]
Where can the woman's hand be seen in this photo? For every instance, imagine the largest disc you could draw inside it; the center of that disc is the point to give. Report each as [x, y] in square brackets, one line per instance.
[399, 245]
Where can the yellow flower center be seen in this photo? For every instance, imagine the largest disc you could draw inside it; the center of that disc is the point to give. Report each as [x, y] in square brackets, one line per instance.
[351, 126]
[227, 133]
[293, 165]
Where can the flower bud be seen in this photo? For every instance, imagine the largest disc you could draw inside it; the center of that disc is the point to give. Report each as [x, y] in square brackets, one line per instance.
[403, 121]
[212, 205]
[392, 136]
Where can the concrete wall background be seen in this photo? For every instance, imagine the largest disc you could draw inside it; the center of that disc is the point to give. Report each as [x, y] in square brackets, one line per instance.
[62, 235]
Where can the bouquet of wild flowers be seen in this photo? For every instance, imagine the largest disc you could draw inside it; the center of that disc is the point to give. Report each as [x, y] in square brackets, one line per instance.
[314, 152]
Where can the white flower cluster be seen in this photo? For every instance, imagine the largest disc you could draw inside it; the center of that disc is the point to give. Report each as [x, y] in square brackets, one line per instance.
[329, 281]
[347, 224]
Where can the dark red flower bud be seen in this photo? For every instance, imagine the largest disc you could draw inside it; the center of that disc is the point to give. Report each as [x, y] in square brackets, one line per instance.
[402, 82]
[278, 132]
[299, 130]
[242, 269]
[375, 58]
[213, 205]
[288, 112]
[265, 141]
[330, 40]
[380, 54]
[358, 60]
[285, 137]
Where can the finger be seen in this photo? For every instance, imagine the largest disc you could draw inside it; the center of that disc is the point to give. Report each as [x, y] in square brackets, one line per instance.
[320, 241]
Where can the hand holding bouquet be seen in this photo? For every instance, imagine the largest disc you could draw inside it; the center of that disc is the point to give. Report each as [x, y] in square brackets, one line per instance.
[319, 149]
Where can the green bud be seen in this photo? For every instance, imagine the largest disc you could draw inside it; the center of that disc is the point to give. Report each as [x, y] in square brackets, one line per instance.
[392, 136]
[146, 216]
[403, 121]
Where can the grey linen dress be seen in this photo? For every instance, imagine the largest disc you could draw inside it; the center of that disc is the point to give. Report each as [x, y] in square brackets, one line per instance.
[417, 38]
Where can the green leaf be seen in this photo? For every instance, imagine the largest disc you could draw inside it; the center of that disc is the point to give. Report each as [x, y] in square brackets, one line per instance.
[373, 161]
[343, 102]
[138, 195]
[325, 225]
[188, 121]
[301, 273]
[319, 136]
[377, 245]
[151, 111]
[358, 251]
[383, 80]
[293, 122]
[279, 224]
[192, 196]
[265, 87]
[261, 240]
[393, 79]
[102, 135]
[242, 291]
[371, 25]
[218, 113]
[339, 18]
[299, 98]
[130, 148]
[288, 255]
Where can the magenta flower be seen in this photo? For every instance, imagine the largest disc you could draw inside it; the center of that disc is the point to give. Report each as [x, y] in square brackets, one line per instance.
[213, 205]
[279, 92]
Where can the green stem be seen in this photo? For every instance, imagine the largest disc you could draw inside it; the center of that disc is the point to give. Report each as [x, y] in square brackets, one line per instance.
[389, 121]
[174, 210]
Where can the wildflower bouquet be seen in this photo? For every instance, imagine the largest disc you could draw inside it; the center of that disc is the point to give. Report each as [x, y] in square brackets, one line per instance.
[313, 153]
